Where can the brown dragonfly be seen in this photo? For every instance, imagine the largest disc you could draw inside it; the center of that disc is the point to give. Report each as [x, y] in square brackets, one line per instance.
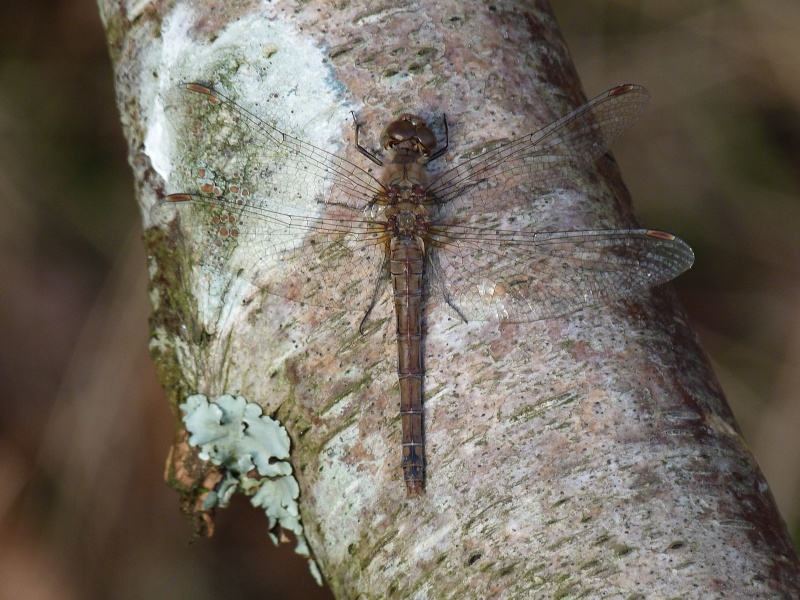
[316, 228]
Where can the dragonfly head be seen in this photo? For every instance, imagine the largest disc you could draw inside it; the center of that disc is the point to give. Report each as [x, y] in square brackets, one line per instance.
[410, 132]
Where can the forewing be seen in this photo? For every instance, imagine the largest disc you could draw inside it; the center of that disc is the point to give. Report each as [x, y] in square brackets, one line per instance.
[518, 276]
[268, 207]
[505, 176]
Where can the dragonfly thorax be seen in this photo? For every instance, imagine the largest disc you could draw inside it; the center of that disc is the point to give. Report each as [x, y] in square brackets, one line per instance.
[406, 219]
[406, 223]
[402, 190]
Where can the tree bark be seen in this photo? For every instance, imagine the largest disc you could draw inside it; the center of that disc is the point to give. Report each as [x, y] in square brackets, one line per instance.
[587, 456]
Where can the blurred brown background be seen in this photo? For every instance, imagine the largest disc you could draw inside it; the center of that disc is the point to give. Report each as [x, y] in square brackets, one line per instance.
[84, 429]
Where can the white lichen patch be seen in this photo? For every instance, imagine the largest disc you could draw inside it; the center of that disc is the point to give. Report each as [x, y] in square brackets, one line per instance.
[254, 450]
[235, 434]
[283, 77]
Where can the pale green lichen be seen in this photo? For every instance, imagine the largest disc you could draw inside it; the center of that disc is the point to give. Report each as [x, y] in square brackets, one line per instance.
[235, 434]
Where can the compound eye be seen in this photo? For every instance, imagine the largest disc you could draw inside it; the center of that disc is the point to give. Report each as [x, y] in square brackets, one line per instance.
[426, 140]
[398, 132]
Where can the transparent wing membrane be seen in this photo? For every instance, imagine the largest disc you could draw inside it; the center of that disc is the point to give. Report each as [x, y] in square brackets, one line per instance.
[302, 222]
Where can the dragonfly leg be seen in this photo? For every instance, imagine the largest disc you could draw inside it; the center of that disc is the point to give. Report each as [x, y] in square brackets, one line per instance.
[435, 270]
[443, 149]
[364, 320]
[375, 295]
[449, 301]
[361, 148]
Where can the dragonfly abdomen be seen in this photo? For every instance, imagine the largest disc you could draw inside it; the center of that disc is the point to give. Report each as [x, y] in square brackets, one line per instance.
[407, 265]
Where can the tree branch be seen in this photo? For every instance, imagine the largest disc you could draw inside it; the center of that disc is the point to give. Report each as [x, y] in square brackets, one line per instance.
[586, 456]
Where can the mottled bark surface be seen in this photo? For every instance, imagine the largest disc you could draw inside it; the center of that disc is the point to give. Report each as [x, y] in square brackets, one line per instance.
[586, 456]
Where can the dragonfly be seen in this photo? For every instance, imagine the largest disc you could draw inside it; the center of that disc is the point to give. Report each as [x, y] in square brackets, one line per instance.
[317, 228]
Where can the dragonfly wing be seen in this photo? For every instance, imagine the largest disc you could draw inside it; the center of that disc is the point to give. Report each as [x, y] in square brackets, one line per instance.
[519, 276]
[219, 138]
[263, 205]
[503, 177]
[326, 260]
